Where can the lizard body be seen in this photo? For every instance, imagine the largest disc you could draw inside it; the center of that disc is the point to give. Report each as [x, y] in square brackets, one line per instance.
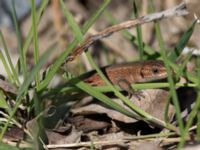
[129, 73]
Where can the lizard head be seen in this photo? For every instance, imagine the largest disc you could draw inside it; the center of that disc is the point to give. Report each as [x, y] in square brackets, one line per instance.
[153, 70]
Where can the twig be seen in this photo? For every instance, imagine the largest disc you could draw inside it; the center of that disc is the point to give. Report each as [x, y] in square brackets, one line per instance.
[85, 144]
[16, 123]
[179, 10]
[110, 142]
[21, 144]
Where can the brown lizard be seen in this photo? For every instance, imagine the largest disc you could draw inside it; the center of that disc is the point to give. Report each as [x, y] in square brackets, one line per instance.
[126, 74]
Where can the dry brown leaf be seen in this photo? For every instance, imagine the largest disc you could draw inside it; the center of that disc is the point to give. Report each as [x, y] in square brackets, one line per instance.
[14, 134]
[89, 123]
[153, 102]
[7, 87]
[100, 108]
[58, 138]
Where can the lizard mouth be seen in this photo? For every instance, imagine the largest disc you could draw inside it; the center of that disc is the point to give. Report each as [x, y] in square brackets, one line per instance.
[157, 79]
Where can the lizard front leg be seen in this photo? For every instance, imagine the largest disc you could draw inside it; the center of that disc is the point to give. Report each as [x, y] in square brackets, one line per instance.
[126, 86]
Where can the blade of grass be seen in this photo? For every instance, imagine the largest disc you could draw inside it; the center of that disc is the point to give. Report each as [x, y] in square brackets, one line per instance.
[185, 62]
[198, 100]
[96, 15]
[198, 126]
[79, 35]
[182, 43]
[37, 103]
[24, 87]
[195, 109]
[72, 23]
[19, 38]
[3, 103]
[166, 113]
[6, 66]
[139, 32]
[27, 42]
[169, 77]
[71, 46]
[35, 41]
[137, 86]
[5, 146]
[179, 70]
[30, 33]
[192, 115]
[93, 92]
[88, 89]
[14, 73]
[55, 67]
[182, 70]
[135, 108]
[149, 50]
[191, 77]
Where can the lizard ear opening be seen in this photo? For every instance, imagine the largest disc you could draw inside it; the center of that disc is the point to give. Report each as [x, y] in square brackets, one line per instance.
[155, 70]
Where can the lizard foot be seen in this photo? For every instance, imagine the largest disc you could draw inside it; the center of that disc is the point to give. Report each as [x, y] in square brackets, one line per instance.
[139, 95]
[125, 85]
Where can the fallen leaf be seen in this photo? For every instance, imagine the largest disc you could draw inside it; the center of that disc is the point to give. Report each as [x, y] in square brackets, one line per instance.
[89, 123]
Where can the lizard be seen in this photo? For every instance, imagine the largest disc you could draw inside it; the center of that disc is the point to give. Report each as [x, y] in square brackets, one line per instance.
[126, 74]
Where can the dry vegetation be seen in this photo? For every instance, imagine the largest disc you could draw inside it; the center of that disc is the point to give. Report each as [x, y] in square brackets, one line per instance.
[48, 112]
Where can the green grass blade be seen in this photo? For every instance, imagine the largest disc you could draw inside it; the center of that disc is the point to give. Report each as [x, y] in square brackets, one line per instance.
[14, 73]
[96, 15]
[95, 93]
[139, 32]
[192, 115]
[198, 126]
[182, 43]
[34, 71]
[195, 109]
[19, 38]
[71, 46]
[191, 77]
[35, 41]
[147, 49]
[72, 23]
[30, 33]
[178, 49]
[170, 78]
[24, 87]
[55, 67]
[3, 103]
[2, 58]
[185, 62]
[4, 146]
[88, 89]
[137, 86]
[135, 108]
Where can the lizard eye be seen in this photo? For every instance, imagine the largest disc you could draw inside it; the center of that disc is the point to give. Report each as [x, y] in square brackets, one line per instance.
[155, 70]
